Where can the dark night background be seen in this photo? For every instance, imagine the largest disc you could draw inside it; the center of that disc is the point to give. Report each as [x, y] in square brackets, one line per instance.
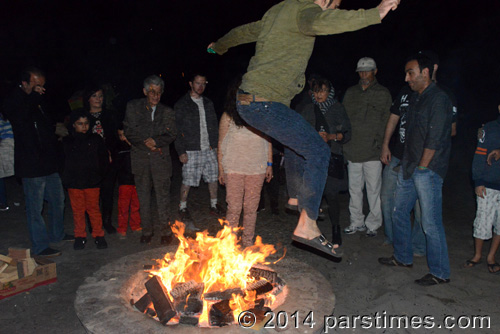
[121, 42]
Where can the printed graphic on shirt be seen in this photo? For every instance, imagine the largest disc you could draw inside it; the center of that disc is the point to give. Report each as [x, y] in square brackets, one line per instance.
[403, 108]
[98, 128]
[481, 136]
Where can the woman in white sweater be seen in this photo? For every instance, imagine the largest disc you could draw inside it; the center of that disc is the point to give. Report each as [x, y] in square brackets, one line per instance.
[245, 161]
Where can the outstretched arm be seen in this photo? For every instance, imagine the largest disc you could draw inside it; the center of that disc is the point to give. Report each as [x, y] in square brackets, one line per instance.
[246, 33]
[386, 6]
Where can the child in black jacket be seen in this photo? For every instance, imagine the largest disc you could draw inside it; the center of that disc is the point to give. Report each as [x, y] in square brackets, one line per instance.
[86, 159]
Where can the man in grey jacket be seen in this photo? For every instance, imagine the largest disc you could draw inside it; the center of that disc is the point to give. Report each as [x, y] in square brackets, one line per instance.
[150, 128]
[367, 105]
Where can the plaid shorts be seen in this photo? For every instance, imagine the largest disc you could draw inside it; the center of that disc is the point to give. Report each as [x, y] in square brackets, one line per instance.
[487, 215]
[200, 163]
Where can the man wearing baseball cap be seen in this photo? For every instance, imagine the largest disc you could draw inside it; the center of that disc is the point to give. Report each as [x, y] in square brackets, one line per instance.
[367, 104]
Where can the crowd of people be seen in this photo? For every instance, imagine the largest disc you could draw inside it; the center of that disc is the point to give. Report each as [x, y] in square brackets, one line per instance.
[397, 150]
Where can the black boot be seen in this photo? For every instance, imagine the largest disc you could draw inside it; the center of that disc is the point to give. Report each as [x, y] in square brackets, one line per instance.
[106, 223]
[336, 235]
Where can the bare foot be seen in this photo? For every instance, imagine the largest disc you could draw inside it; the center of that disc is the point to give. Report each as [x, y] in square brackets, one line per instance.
[306, 227]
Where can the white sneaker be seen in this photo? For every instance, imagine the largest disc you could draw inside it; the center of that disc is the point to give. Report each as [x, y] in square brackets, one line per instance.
[353, 229]
[370, 233]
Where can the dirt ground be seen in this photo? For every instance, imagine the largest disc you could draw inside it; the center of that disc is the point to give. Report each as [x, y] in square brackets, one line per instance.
[361, 285]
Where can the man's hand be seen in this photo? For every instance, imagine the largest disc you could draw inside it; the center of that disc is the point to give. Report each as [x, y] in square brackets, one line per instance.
[183, 158]
[495, 154]
[387, 5]
[336, 136]
[210, 48]
[150, 143]
[324, 136]
[481, 191]
[39, 89]
[269, 173]
[385, 155]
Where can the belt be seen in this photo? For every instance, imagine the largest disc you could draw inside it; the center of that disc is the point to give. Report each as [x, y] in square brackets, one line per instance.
[246, 99]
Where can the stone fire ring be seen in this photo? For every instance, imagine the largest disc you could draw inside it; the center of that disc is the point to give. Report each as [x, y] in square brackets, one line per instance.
[103, 301]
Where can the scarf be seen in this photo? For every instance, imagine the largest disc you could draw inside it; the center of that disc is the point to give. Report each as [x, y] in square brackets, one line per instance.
[330, 100]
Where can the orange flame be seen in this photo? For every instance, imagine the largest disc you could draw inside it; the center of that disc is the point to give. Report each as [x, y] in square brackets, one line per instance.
[217, 261]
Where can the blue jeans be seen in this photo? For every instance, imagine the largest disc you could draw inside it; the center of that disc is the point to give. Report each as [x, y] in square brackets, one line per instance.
[389, 183]
[36, 190]
[294, 170]
[293, 131]
[426, 186]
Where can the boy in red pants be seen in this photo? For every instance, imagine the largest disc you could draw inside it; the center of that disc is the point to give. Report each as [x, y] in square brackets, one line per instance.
[86, 159]
[127, 194]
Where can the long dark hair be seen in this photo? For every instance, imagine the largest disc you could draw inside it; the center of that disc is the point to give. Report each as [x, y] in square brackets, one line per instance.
[230, 104]
[89, 91]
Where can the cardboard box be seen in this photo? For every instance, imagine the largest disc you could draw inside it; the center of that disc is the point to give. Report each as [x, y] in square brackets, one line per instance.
[45, 273]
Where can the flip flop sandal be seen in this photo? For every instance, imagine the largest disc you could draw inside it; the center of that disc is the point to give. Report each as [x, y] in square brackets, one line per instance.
[492, 266]
[320, 243]
[470, 263]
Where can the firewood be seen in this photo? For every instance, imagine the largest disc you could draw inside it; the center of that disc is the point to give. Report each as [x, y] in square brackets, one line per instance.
[6, 259]
[160, 299]
[9, 274]
[220, 314]
[188, 320]
[151, 312]
[222, 295]
[271, 276]
[142, 304]
[260, 287]
[19, 253]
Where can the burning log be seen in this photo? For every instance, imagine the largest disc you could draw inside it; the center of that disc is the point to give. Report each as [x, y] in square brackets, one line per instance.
[260, 287]
[182, 290]
[187, 297]
[160, 299]
[142, 304]
[222, 295]
[151, 312]
[269, 275]
[188, 320]
[221, 314]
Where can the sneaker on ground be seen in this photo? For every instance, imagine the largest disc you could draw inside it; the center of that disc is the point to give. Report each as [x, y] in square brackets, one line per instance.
[50, 252]
[217, 210]
[4, 207]
[370, 233]
[79, 243]
[190, 226]
[353, 229]
[101, 243]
